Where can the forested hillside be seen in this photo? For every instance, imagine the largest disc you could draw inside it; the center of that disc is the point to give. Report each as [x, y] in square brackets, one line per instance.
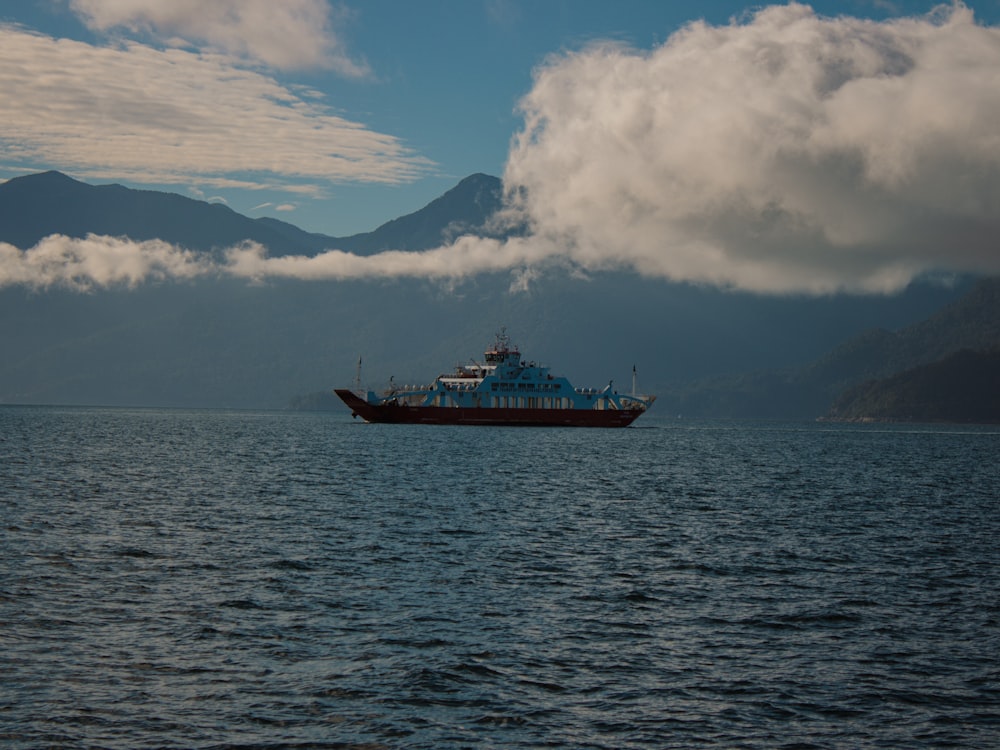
[962, 387]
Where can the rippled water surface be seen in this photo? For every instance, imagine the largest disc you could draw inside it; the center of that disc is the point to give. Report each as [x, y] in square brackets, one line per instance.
[233, 579]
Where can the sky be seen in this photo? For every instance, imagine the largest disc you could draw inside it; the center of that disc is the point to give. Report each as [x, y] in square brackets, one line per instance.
[785, 148]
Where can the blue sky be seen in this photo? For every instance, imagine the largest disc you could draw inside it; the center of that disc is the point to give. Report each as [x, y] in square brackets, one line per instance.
[340, 116]
[442, 78]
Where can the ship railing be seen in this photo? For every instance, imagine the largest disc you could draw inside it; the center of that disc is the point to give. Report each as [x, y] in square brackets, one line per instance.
[450, 385]
[405, 398]
[399, 390]
[629, 401]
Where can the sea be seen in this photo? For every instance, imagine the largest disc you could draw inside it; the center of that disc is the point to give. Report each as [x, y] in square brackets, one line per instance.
[243, 579]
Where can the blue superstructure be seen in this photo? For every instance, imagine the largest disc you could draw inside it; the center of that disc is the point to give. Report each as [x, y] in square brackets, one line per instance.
[503, 390]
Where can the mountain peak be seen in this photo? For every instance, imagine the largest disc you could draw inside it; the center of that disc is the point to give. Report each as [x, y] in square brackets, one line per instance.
[51, 177]
[465, 209]
[37, 205]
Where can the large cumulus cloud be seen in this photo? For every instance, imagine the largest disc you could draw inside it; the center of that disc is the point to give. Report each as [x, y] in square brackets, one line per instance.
[789, 152]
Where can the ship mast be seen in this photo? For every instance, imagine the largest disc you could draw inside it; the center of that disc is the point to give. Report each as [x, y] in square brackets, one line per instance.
[357, 378]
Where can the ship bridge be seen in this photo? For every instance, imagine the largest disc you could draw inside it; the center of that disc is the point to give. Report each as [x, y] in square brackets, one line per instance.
[503, 353]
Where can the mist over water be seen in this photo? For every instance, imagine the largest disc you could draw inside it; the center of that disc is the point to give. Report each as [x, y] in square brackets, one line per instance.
[235, 579]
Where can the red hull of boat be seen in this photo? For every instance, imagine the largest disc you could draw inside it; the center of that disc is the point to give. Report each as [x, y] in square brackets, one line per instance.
[398, 414]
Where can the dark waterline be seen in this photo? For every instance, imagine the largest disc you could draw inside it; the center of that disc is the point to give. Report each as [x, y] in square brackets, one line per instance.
[237, 579]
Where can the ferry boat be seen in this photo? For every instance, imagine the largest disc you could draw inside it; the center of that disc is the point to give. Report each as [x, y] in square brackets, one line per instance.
[504, 390]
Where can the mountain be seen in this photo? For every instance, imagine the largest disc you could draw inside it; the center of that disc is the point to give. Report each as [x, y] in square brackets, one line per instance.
[971, 322]
[961, 387]
[465, 209]
[231, 343]
[38, 205]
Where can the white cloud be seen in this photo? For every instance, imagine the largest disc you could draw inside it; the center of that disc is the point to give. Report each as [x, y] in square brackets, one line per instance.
[83, 264]
[790, 153]
[102, 262]
[285, 34]
[172, 116]
[279, 207]
[465, 257]
[787, 153]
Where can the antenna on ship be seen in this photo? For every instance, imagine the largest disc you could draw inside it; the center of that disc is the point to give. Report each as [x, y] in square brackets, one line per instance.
[357, 377]
[633, 380]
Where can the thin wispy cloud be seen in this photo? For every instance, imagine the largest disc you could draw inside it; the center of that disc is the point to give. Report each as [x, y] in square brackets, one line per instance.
[278, 207]
[173, 116]
[287, 35]
[463, 258]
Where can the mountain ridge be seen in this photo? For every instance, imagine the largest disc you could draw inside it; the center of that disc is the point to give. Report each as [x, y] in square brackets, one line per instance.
[35, 206]
[227, 342]
[972, 322]
[961, 387]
